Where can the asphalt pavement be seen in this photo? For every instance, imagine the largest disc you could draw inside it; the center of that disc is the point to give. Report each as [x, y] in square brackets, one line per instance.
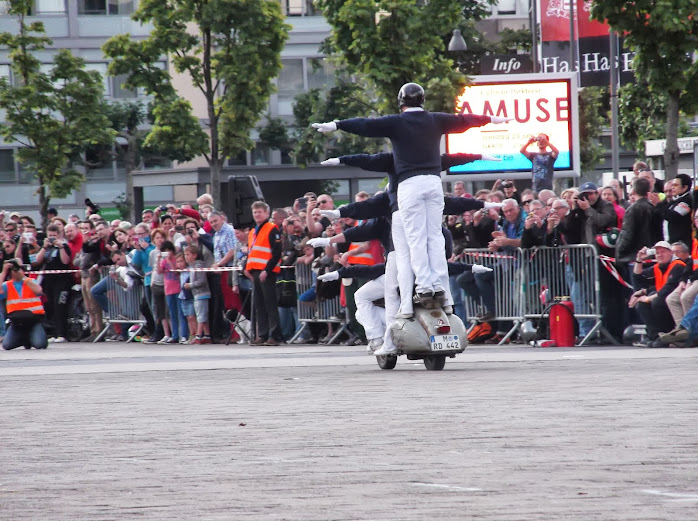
[118, 431]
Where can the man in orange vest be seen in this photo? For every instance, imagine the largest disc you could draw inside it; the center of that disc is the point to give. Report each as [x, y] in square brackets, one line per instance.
[263, 265]
[654, 285]
[24, 309]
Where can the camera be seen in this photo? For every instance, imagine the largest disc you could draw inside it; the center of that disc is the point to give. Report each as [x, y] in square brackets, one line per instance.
[302, 202]
[651, 252]
[51, 240]
[583, 196]
[179, 228]
[92, 206]
[28, 236]
[191, 232]
[163, 208]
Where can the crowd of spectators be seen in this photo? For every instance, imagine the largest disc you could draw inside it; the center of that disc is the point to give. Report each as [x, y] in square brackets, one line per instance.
[199, 307]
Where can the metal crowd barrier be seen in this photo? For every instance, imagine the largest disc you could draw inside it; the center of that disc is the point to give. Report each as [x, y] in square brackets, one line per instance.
[123, 306]
[327, 311]
[567, 271]
[505, 280]
[526, 281]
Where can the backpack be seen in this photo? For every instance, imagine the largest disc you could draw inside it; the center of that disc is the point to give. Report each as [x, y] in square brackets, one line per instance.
[480, 332]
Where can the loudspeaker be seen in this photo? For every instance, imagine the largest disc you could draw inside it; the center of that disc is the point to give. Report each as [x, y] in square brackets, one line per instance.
[241, 191]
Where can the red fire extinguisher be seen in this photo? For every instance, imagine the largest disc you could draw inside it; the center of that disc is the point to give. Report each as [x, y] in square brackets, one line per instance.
[562, 322]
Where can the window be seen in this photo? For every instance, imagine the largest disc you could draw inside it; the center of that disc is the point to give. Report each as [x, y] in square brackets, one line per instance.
[320, 73]
[103, 7]
[298, 7]
[49, 6]
[7, 166]
[119, 91]
[290, 83]
[260, 154]
[239, 160]
[99, 162]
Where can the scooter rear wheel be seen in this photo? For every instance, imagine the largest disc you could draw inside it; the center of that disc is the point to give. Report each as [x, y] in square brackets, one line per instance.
[387, 361]
[434, 362]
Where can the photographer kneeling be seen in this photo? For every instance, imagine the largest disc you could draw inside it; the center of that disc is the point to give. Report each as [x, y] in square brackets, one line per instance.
[24, 309]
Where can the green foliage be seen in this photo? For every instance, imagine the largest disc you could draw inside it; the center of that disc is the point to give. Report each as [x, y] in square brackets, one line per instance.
[591, 122]
[664, 36]
[228, 49]
[392, 42]
[346, 99]
[275, 134]
[123, 205]
[53, 114]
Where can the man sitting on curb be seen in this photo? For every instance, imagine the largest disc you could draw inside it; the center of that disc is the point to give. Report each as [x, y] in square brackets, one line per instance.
[24, 309]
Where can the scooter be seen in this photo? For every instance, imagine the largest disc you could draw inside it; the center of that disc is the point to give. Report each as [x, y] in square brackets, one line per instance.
[430, 335]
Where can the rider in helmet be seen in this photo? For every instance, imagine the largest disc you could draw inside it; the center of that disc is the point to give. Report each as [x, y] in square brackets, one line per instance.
[415, 135]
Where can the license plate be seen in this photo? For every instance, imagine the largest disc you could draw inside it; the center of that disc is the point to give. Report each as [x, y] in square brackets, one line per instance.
[444, 342]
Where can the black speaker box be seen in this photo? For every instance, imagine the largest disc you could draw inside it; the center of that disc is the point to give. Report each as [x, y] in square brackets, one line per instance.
[241, 191]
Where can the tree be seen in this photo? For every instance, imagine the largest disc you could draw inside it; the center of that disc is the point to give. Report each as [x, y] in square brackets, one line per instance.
[392, 42]
[228, 49]
[664, 36]
[346, 99]
[591, 122]
[53, 114]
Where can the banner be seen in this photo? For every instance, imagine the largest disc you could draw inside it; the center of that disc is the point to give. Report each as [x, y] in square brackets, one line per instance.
[591, 38]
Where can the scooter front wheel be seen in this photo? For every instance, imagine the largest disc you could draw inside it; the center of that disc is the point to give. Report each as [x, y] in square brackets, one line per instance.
[434, 362]
[387, 361]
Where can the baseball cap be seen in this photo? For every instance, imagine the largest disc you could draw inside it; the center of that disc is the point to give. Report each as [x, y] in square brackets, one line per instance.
[588, 187]
[15, 214]
[662, 244]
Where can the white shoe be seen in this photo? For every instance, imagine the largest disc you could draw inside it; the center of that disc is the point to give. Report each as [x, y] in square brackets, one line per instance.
[51, 340]
[165, 340]
[183, 340]
[385, 351]
[59, 340]
[373, 344]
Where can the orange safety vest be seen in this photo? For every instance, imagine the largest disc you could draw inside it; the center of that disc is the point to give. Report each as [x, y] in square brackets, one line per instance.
[28, 301]
[365, 258]
[661, 278]
[260, 249]
[694, 254]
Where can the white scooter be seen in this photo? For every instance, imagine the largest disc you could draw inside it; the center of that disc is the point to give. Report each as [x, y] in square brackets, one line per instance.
[430, 335]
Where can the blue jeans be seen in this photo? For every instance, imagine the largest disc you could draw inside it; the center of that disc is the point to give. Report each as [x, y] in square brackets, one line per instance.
[457, 295]
[288, 321]
[34, 336]
[690, 320]
[99, 292]
[180, 329]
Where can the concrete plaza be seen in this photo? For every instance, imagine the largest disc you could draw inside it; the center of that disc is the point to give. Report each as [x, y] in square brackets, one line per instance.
[131, 431]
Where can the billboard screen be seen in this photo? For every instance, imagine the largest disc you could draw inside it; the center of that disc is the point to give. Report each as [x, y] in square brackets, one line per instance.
[538, 104]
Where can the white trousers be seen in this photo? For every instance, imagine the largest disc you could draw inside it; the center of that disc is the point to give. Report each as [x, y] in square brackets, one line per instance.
[404, 277]
[370, 316]
[421, 203]
[392, 299]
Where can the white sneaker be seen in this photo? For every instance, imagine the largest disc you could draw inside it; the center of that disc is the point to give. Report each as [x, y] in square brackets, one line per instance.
[165, 340]
[385, 351]
[51, 340]
[183, 340]
[59, 340]
[373, 344]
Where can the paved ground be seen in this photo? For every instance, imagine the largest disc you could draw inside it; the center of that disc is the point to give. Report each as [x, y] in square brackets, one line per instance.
[121, 432]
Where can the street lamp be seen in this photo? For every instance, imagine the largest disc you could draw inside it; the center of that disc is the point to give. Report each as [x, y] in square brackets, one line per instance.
[457, 43]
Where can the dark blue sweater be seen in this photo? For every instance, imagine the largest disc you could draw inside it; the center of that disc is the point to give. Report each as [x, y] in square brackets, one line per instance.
[415, 137]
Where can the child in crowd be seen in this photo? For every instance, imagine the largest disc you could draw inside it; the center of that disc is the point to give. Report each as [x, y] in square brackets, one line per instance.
[157, 288]
[186, 297]
[165, 265]
[198, 285]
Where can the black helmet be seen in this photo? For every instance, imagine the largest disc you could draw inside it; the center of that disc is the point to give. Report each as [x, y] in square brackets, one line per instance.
[410, 95]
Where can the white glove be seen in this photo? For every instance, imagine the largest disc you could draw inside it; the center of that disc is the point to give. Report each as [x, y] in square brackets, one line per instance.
[333, 161]
[479, 268]
[325, 127]
[330, 214]
[493, 205]
[486, 157]
[319, 242]
[498, 119]
[332, 275]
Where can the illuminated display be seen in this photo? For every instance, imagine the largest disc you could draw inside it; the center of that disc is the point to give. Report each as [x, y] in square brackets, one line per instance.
[538, 106]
